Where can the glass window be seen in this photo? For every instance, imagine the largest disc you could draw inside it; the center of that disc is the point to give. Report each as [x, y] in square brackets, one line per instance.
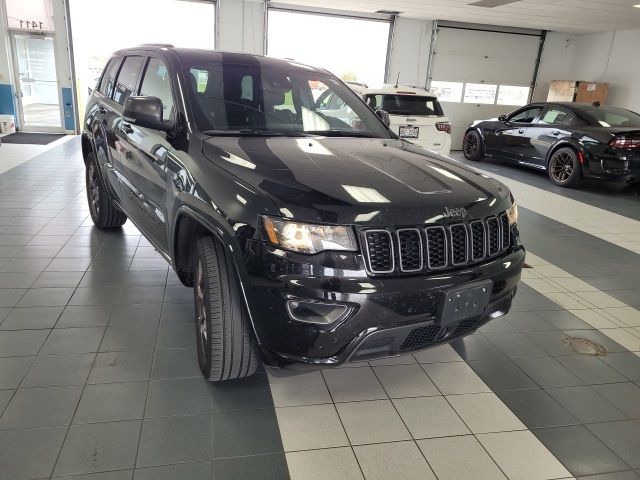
[554, 116]
[156, 83]
[448, 91]
[526, 115]
[329, 100]
[480, 93]
[613, 117]
[405, 104]
[353, 49]
[262, 100]
[31, 15]
[572, 120]
[513, 95]
[109, 77]
[127, 79]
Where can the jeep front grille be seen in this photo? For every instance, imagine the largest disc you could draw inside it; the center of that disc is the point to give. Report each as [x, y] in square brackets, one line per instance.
[412, 250]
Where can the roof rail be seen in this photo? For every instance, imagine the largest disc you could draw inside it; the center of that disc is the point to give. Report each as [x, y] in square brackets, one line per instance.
[156, 45]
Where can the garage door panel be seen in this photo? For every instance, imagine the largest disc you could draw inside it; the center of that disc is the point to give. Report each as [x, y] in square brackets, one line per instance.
[460, 68]
[475, 56]
[495, 44]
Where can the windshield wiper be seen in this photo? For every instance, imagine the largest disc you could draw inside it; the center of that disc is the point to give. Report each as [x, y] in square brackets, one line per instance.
[342, 133]
[252, 132]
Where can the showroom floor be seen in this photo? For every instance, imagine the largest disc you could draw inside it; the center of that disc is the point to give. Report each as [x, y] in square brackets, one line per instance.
[98, 370]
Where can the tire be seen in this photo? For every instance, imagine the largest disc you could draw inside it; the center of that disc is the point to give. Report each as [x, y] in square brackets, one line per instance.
[564, 167]
[472, 146]
[226, 347]
[103, 212]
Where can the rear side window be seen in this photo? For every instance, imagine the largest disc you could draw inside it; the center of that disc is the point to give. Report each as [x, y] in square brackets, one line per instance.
[127, 79]
[554, 116]
[108, 78]
[156, 83]
[405, 104]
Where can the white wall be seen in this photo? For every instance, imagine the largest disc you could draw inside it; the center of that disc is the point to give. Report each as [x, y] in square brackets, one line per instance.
[241, 26]
[612, 58]
[410, 51]
[556, 63]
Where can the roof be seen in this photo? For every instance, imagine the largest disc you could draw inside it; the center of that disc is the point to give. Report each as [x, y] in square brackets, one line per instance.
[399, 90]
[202, 55]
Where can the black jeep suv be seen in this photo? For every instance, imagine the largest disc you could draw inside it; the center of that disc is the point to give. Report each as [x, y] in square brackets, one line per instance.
[310, 236]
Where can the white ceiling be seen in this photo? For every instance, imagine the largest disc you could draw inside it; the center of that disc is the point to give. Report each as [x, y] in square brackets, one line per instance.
[571, 16]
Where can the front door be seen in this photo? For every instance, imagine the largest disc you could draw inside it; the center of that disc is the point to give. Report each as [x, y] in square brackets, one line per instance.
[37, 90]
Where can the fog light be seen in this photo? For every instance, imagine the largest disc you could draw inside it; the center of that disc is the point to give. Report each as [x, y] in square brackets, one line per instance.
[309, 311]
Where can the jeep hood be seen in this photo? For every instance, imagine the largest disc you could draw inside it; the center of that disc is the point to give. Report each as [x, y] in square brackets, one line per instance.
[357, 180]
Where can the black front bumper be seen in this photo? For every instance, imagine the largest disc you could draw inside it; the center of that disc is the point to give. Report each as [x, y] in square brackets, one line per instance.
[390, 315]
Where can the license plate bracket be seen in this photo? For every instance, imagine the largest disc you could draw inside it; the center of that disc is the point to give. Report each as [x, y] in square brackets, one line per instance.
[408, 131]
[466, 301]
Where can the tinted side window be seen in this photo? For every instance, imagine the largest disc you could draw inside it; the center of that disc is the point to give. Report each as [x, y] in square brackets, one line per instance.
[156, 83]
[554, 116]
[525, 116]
[572, 120]
[127, 79]
[109, 77]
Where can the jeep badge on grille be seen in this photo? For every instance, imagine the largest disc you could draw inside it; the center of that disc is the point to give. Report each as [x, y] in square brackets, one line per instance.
[455, 212]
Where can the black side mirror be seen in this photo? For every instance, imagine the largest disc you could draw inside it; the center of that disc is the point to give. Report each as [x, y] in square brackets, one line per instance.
[145, 112]
[502, 118]
[384, 116]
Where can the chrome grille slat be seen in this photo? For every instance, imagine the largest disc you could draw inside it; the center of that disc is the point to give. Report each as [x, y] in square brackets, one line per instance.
[493, 236]
[410, 251]
[437, 247]
[459, 239]
[505, 232]
[380, 250]
[478, 240]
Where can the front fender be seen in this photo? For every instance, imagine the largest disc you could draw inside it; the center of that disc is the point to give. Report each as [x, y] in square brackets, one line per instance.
[214, 223]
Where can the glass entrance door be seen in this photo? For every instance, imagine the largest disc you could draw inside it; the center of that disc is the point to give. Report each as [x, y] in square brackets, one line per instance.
[37, 83]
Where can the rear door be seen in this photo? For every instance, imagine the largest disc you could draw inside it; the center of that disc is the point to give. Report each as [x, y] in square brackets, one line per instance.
[545, 132]
[103, 113]
[145, 151]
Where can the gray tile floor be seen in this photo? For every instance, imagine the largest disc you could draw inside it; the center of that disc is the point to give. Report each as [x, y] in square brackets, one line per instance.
[98, 374]
[97, 367]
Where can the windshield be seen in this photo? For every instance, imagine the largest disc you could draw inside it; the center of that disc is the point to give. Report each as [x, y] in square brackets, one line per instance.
[405, 104]
[260, 100]
[613, 117]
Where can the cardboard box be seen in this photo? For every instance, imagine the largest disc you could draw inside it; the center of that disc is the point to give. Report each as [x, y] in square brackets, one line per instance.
[577, 91]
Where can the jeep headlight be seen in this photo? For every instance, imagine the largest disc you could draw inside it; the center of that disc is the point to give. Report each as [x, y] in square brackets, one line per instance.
[512, 213]
[307, 237]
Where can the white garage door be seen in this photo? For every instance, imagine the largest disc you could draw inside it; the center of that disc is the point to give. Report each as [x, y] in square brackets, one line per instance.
[482, 74]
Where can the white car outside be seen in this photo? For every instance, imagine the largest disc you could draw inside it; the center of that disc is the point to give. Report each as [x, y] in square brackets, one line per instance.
[331, 105]
[415, 115]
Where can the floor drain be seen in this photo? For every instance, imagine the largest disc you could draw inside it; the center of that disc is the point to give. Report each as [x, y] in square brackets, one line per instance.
[584, 346]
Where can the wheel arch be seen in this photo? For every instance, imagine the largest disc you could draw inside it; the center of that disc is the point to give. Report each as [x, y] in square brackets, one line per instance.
[191, 224]
[87, 146]
[575, 146]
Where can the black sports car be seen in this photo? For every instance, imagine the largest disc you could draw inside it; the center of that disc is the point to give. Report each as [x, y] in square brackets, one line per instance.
[571, 141]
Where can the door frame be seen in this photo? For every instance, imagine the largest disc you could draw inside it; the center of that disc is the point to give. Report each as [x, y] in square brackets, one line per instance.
[18, 93]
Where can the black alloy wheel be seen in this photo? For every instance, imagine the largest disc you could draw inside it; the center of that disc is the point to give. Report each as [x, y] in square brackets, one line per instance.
[104, 213]
[472, 146]
[564, 167]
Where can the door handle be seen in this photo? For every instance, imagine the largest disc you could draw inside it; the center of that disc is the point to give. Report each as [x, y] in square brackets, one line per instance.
[126, 127]
[521, 130]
